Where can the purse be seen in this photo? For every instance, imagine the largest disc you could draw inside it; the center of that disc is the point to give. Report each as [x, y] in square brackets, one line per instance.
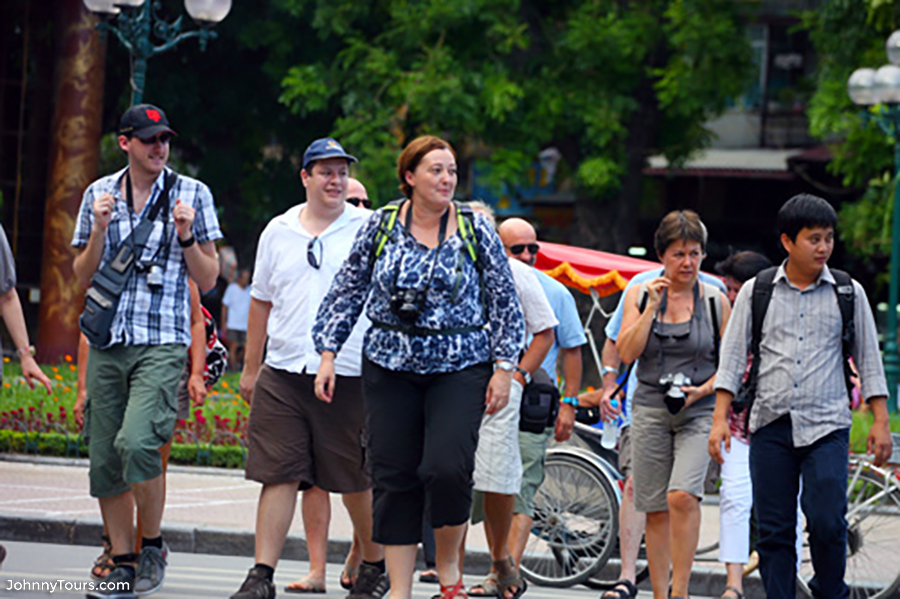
[540, 404]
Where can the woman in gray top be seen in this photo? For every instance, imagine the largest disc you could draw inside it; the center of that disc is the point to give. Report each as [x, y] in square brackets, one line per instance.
[668, 324]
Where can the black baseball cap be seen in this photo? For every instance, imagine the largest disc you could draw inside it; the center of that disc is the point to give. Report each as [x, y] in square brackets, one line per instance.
[325, 148]
[144, 121]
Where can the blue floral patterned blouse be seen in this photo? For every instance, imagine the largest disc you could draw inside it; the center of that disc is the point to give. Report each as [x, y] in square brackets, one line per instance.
[495, 331]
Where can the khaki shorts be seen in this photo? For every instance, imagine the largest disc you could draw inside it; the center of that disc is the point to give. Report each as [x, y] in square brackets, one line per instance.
[131, 413]
[534, 454]
[295, 437]
[668, 453]
[625, 451]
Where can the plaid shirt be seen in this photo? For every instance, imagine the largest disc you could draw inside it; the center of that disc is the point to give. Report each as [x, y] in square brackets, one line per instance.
[151, 316]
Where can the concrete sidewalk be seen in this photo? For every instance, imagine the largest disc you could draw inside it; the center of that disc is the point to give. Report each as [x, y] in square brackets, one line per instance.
[213, 511]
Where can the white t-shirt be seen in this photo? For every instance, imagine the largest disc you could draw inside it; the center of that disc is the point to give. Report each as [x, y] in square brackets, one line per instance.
[539, 315]
[237, 300]
[284, 277]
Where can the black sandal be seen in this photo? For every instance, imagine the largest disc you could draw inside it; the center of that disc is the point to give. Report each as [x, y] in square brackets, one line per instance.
[629, 592]
[739, 595]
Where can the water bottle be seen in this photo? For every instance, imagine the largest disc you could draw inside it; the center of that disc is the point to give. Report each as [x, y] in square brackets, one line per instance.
[610, 430]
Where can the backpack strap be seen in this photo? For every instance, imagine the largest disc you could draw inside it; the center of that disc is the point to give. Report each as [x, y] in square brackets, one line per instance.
[389, 214]
[465, 222]
[714, 316]
[846, 299]
[763, 286]
[641, 307]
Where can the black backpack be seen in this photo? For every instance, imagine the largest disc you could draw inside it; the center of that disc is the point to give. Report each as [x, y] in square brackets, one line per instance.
[762, 296]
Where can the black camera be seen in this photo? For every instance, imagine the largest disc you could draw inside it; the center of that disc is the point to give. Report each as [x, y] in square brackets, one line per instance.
[671, 385]
[407, 304]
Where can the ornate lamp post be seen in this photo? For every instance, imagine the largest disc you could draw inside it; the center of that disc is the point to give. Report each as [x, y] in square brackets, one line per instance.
[135, 21]
[870, 87]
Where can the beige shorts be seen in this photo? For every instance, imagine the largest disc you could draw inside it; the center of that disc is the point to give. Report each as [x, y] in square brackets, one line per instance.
[625, 451]
[498, 463]
[668, 453]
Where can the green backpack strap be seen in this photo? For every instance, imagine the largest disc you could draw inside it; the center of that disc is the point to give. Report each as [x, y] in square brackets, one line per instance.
[465, 222]
[389, 216]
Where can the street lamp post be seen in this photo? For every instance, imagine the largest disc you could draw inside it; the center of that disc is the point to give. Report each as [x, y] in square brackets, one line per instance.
[136, 22]
[870, 87]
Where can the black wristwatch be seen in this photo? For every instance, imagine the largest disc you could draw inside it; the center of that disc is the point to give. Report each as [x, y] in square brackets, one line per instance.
[186, 243]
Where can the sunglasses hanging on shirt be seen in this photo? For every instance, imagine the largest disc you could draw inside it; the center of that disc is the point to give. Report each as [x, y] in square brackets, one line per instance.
[314, 256]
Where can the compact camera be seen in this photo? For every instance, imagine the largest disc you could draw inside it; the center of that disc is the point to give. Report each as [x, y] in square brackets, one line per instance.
[407, 304]
[671, 384]
[154, 272]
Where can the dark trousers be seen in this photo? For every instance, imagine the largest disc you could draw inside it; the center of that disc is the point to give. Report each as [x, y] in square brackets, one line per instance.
[423, 431]
[776, 467]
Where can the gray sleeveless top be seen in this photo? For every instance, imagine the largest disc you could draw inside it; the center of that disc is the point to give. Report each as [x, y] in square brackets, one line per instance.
[686, 347]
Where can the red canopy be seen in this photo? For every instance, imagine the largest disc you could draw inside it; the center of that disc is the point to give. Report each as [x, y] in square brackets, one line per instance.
[586, 269]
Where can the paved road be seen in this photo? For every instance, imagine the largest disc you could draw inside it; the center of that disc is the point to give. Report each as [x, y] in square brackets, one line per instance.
[189, 575]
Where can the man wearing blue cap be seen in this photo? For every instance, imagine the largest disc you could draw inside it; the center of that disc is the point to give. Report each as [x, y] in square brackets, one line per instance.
[296, 441]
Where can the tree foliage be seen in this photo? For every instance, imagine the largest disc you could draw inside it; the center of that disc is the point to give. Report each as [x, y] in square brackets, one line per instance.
[607, 82]
[849, 34]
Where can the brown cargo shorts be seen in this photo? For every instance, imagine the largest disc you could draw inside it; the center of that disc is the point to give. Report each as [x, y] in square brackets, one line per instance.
[295, 437]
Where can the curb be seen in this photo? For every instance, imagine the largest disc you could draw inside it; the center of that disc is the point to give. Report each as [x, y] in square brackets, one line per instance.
[188, 539]
[220, 541]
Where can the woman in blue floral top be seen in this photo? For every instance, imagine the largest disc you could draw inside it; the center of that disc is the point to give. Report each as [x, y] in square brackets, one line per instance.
[439, 320]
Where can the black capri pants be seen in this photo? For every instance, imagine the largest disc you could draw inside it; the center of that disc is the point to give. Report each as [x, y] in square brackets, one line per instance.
[423, 432]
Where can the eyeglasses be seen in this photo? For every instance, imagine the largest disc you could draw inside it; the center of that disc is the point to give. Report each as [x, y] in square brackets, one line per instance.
[314, 261]
[364, 202]
[521, 247]
[162, 138]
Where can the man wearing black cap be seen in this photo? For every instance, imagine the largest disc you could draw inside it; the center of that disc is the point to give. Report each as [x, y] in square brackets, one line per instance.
[295, 440]
[132, 378]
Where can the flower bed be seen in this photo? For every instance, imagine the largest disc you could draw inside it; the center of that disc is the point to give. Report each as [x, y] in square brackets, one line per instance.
[31, 421]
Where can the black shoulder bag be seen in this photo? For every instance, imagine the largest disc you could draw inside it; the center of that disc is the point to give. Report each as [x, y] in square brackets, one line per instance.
[102, 298]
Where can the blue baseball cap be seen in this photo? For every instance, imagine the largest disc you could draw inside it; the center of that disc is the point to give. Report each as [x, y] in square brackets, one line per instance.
[325, 148]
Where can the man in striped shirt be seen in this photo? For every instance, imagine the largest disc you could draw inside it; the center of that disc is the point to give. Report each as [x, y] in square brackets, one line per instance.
[800, 421]
[132, 381]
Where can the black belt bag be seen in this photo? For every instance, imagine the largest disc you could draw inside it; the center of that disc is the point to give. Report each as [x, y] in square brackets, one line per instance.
[540, 404]
[102, 298]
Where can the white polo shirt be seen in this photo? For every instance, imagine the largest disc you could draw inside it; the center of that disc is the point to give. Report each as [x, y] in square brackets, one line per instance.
[284, 277]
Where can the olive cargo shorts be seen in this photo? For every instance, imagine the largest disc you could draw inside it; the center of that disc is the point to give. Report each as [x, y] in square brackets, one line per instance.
[131, 413]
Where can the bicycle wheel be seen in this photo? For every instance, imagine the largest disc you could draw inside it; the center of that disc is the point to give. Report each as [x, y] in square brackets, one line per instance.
[575, 523]
[873, 534]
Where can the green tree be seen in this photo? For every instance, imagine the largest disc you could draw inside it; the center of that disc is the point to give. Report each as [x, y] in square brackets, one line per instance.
[606, 82]
[849, 34]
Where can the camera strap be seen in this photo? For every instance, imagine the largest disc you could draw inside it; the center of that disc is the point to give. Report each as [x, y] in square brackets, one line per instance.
[663, 304]
[139, 240]
[442, 235]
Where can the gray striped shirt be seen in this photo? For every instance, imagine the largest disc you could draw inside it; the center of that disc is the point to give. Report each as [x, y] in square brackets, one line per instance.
[801, 371]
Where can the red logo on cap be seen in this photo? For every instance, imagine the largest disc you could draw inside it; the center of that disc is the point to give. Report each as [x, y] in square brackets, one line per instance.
[154, 115]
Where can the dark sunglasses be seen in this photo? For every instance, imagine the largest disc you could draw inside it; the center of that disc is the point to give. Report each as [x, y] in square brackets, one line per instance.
[162, 138]
[314, 261]
[521, 247]
[364, 202]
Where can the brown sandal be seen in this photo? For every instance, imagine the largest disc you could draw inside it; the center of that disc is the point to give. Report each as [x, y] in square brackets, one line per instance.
[104, 564]
[508, 578]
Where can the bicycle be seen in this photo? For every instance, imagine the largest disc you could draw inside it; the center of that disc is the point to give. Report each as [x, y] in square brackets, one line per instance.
[873, 531]
[576, 516]
[575, 531]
